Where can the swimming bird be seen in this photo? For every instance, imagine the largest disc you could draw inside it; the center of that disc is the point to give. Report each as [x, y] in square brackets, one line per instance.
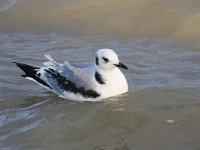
[99, 81]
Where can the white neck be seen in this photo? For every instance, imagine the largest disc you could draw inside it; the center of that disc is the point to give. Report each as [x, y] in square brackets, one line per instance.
[115, 82]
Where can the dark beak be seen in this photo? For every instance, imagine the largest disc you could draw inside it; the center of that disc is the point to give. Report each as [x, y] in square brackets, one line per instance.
[121, 65]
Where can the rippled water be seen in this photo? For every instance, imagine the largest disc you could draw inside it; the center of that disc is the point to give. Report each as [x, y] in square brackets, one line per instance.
[164, 85]
[155, 39]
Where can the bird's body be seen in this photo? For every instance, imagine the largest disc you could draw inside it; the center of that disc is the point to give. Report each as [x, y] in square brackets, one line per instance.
[93, 83]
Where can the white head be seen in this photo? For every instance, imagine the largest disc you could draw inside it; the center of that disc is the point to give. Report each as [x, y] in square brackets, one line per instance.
[107, 59]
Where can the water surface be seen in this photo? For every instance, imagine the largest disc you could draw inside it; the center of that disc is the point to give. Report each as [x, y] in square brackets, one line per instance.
[163, 77]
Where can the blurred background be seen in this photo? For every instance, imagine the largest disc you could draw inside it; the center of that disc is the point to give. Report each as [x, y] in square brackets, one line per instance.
[178, 19]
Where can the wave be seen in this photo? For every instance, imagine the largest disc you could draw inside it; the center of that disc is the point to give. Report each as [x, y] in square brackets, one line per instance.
[179, 19]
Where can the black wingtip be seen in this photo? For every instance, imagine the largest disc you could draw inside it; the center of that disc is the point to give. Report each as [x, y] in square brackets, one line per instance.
[16, 63]
[31, 72]
[23, 75]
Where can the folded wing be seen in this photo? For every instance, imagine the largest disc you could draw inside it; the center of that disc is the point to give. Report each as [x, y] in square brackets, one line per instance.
[64, 79]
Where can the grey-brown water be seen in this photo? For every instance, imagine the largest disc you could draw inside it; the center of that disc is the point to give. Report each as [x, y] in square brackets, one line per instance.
[161, 109]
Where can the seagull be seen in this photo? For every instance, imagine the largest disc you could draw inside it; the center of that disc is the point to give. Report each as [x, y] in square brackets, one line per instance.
[96, 82]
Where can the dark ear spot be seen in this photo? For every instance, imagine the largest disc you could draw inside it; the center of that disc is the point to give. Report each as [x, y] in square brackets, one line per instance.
[105, 59]
[97, 60]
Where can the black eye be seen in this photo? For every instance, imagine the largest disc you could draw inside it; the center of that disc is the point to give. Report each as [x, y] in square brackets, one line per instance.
[105, 59]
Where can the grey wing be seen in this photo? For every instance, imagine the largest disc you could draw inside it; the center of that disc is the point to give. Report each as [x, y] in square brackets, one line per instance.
[81, 77]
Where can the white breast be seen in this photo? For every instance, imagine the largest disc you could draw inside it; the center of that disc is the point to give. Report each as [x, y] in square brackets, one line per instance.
[116, 84]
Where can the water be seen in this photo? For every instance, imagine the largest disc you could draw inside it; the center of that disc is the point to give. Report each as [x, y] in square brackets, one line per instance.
[7, 4]
[163, 77]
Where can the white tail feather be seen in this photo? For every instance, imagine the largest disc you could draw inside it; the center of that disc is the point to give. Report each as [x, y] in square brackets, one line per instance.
[51, 62]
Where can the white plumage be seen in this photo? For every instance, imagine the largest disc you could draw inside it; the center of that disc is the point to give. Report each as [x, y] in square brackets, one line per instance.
[93, 83]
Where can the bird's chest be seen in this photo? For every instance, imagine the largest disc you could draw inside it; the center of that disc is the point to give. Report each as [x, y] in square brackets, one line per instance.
[114, 85]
